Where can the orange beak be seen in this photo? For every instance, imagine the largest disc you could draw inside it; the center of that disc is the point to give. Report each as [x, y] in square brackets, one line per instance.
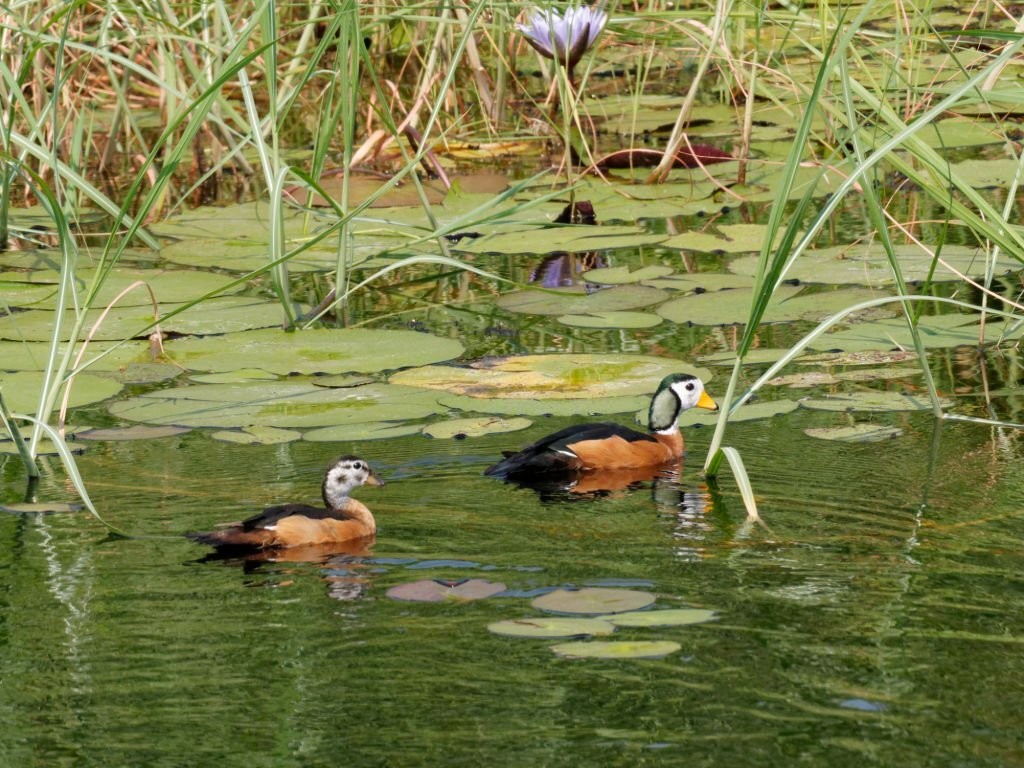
[706, 402]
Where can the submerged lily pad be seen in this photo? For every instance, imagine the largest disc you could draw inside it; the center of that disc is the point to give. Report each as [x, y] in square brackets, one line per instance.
[489, 425]
[872, 401]
[314, 351]
[562, 376]
[549, 627]
[437, 590]
[857, 433]
[597, 600]
[576, 301]
[616, 649]
[276, 404]
[671, 617]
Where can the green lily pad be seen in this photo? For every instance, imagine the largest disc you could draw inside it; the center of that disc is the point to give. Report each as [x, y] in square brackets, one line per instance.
[313, 351]
[867, 264]
[672, 617]
[436, 590]
[169, 286]
[611, 320]
[135, 432]
[234, 377]
[489, 425]
[40, 508]
[753, 357]
[221, 315]
[689, 282]
[32, 356]
[731, 238]
[878, 374]
[568, 238]
[597, 600]
[617, 649]
[936, 332]
[44, 448]
[257, 436]
[576, 301]
[623, 275]
[546, 407]
[550, 377]
[857, 433]
[804, 380]
[787, 303]
[761, 409]
[276, 404]
[866, 357]
[374, 430]
[21, 389]
[550, 627]
[872, 401]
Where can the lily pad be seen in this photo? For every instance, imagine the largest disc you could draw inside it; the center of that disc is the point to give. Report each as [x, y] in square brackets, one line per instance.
[168, 285]
[872, 401]
[672, 617]
[136, 432]
[761, 409]
[32, 356]
[374, 430]
[568, 238]
[490, 425]
[597, 600]
[857, 433]
[936, 332]
[547, 406]
[611, 320]
[543, 377]
[313, 351]
[40, 507]
[276, 404]
[731, 238]
[867, 264]
[787, 303]
[437, 590]
[549, 627]
[804, 380]
[616, 649]
[623, 275]
[257, 436]
[21, 389]
[576, 301]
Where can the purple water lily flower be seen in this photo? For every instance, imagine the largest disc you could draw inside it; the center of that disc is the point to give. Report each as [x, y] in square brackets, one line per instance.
[564, 38]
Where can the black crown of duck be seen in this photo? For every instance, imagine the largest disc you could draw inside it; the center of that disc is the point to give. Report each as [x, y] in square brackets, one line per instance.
[587, 447]
[292, 525]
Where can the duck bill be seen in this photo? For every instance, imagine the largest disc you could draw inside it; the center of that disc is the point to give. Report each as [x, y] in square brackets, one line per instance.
[706, 402]
[373, 479]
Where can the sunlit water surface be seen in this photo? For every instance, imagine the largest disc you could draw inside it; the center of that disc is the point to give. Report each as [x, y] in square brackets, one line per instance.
[875, 618]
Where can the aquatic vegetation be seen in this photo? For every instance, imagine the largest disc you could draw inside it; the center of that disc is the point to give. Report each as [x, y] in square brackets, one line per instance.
[563, 37]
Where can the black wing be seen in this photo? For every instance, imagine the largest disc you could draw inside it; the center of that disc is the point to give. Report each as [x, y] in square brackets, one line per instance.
[553, 453]
[271, 515]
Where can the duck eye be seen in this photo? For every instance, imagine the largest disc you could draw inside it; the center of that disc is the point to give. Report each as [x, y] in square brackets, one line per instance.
[689, 387]
[358, 465]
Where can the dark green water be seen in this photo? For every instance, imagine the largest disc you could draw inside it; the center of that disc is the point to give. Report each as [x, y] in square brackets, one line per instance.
[877, 620]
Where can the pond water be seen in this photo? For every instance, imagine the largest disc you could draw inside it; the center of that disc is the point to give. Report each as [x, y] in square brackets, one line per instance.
[876, 618]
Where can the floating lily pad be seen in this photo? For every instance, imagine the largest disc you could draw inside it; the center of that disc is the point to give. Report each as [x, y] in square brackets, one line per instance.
[611, 320]
[753, 357]
[141, 373]
[215, 316]
[167, 285]
[576, 301]
[857, 433]
[623, 275]
[866, 357]
[45, 447]
[936, 332]
[136, 432]
[598, 600]
[488, 425]
[32, 356]
[672, 617]
[787, 303]
[21, 389]
[878, 374]
[546, 377]
[234, 377]
[867, 264]
[547, 406]
[761, 409]
[568, 238]
[872, 401]
[257, 436]
[374, 430]
[616, 649]
[276, 404]
[437, 590]
[702, 281]
[40, 507]
[804, 380]
[313, 351]
[731, 238]
[549, 627]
